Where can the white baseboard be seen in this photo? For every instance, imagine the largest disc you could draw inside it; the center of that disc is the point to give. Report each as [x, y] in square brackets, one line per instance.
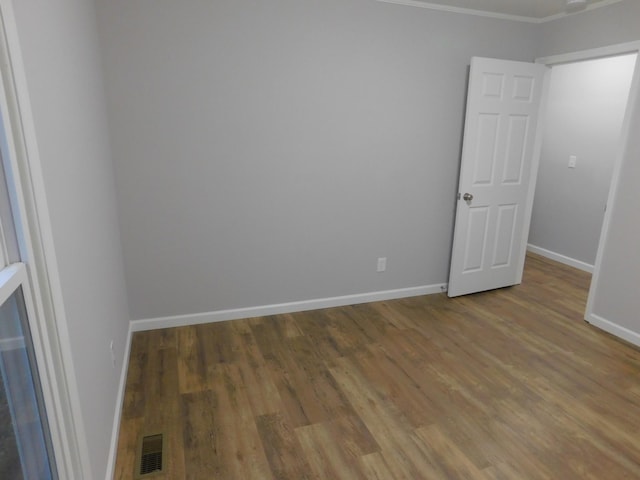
[222, 315]
[614, 329]
[115, 430]
[301, 306]
[572, 262]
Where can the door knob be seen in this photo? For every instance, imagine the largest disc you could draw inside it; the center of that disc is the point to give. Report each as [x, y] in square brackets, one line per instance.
[467, 197]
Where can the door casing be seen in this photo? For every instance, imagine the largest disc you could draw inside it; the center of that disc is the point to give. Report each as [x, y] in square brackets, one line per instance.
[634, 91]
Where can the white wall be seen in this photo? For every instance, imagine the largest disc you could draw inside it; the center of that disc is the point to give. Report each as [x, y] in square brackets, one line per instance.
[60, 49]
[615, 300]
[586, 105]
[269, 152]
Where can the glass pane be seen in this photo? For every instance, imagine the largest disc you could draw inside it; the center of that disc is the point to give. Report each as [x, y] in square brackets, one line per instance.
[24, 446]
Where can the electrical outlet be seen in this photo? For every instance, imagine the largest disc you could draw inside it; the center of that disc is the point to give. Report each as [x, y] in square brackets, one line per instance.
[113, 354]
[382, 264]
[572, 161]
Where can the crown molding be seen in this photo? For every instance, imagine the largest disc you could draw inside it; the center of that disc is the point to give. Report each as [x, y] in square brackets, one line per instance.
[465, 11]
[500, 16]
[603, 3]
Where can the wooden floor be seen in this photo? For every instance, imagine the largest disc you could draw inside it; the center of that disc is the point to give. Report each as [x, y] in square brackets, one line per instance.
[508, 384]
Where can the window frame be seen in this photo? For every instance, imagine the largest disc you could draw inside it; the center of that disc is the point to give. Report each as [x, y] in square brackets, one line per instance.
[38, 271]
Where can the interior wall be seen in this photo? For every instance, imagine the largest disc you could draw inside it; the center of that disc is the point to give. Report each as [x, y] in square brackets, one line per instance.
[610, 25]
[586, 105]
[266, 153]
[59, 44]
[269, 152]
[614, 297]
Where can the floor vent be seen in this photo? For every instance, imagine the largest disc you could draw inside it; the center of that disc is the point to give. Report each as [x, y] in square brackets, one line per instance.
[150, 455]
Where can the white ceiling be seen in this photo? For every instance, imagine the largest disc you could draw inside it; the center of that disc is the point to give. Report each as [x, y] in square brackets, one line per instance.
[534, 10]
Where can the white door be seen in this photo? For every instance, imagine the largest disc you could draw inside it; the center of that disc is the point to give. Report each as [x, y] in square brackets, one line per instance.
[496, 175]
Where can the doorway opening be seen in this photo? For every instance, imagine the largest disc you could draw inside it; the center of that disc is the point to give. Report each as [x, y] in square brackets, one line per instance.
[490, 88]
[585, 110]
[619, 154]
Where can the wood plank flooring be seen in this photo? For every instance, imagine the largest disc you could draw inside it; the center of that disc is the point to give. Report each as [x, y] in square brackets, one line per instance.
[508, 384]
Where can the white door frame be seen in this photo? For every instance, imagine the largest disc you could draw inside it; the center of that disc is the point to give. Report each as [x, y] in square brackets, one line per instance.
[49, 322]
[634, 91]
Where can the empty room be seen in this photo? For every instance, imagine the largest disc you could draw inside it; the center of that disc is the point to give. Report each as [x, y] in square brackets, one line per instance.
[319, 239]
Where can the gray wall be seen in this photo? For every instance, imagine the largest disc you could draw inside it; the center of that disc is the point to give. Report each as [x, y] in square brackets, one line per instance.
[269, 152]
[617, 23]
[62, 63]
[586, 106]
[615, 297]
[266, 153]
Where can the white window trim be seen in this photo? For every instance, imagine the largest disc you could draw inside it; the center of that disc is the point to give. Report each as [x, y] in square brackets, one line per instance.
[48, 319]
